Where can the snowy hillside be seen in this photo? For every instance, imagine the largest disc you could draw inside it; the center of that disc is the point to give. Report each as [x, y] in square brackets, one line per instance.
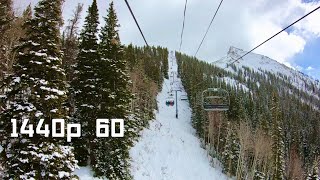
[256, 62]
[267, 115]
[265, 65]
[169, 149]
[261, 63]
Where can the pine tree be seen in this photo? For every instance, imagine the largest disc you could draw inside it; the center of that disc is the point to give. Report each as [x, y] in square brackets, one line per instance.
[278, 147]
[85, 86]
[230, 154]
[6, 16]
[37, 91]
[296, 119]
[131, 56]
[113, 153]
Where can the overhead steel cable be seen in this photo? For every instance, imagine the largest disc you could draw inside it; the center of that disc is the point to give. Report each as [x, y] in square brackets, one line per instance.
[276, 34]
[128, 5]
[184, 18]
[205, 35]
[264, 42]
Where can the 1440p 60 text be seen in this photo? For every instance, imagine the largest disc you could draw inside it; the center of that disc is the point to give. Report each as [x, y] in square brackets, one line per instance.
[103, 128]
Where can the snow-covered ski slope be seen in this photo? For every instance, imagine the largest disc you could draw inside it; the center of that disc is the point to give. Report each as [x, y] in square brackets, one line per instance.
[169, 148]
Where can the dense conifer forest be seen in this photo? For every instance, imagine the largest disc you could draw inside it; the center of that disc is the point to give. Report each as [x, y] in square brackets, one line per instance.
[81, 74]
[267, 132]
[48, 74]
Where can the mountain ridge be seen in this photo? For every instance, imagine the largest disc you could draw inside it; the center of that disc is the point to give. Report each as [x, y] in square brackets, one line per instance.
[294, 81]
[235, 53]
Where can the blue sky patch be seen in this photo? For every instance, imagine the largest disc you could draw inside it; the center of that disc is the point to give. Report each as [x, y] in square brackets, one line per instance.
[309, 1]
[310, 57]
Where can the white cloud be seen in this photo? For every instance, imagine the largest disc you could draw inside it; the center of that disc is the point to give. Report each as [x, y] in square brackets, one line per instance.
[243, 24]
[309, 68]
[282, 47]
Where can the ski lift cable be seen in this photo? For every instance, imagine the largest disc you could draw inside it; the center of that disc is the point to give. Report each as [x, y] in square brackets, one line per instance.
[205, 35]
[184, 18]
[276, 34]
[128, 5]
[317, 8]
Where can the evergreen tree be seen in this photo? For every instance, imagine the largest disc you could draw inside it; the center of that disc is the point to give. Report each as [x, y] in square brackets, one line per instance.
[37, 91]
[165, 64]
[297, 117]
[6, 16]
[113, 153]
[231, 152]
[27, 14]
[131, 57]
[278, 147]
[85, 87]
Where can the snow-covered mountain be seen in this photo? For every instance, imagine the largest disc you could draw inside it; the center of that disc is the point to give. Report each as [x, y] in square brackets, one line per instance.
[256, 62]
[292, 80]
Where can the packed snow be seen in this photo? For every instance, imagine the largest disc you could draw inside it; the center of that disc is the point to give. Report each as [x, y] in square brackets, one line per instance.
[86, 173]
[169, 148]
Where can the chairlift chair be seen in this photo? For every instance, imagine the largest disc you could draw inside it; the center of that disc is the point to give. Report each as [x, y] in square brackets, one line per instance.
[172, 74]
[215, 99]
[170, 101]
[183, 97]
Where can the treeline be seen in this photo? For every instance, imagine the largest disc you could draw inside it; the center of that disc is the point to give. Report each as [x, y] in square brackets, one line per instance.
[268, 132]
[76, 77]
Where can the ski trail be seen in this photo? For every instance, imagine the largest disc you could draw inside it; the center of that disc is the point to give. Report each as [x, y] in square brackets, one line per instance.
[169, 149]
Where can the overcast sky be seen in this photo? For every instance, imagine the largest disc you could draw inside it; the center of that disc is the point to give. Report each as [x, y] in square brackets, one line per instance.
[239, 23]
